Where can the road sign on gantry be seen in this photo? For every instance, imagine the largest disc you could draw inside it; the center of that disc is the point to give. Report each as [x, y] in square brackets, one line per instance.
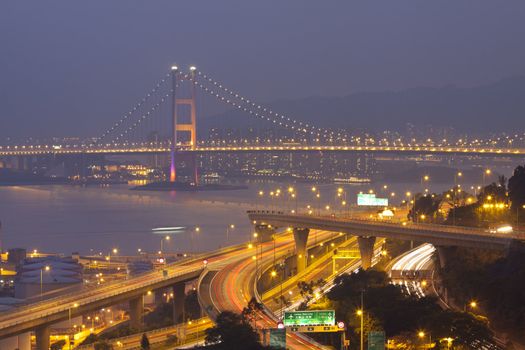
[309, 318]
[316, 329]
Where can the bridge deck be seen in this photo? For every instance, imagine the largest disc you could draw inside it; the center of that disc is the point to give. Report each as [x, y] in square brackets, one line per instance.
[431, 233]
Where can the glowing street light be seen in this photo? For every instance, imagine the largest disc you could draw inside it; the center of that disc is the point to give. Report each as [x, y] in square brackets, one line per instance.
[421, 335]
[167, 238]
[228, 228]
[45, 268]
[360, 313]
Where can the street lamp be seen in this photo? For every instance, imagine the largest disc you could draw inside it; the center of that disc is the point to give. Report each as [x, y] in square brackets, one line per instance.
[458, 174]
[115, 251]
[228, 228]
[361, 314]
[422, 335]
[473, 304]
[46, 268]
[197, 230]
[167, 238]
[261, 194]
[486, 173]
[425, 178]
[361, 336]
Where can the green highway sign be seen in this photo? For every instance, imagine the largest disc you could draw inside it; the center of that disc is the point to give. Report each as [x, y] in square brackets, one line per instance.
[309, 318]
[370, 199]
[316, 329]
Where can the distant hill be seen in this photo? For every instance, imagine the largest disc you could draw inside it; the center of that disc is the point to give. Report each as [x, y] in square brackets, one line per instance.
[494, 107]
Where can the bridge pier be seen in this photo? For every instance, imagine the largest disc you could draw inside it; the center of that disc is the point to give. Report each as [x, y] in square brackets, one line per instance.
[300, 236]
[136, 309]
[264, 233]
[366, 248]
[179, 296]
[442, 252]
[42, 337]
[159, 296]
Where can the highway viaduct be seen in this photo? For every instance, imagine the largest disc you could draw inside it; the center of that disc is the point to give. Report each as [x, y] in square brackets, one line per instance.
[41, 315]
[366, 230]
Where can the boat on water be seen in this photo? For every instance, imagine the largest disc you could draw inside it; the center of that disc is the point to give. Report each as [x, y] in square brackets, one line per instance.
[352, 180]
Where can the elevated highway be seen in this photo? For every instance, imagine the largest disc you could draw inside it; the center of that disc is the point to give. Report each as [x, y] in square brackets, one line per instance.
[233, 285]
[40, 315]
[367, 230]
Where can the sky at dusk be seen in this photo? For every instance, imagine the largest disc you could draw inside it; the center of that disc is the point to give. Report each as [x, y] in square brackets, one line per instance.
[73, 68]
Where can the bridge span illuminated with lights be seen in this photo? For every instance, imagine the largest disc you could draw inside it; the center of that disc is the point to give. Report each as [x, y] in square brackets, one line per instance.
[153, 149]
[132, 132]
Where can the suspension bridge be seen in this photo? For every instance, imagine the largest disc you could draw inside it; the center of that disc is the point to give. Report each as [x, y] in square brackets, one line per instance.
[165, 121]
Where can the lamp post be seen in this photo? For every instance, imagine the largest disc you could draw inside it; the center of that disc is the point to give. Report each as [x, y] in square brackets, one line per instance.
[231, 226]
[260, 194]
[167, 238]
[291, 195]
[485, 173]
[115, 251]
[422, 334]
[456, 175]
[46, 268]
[361, 314]
[424, 179]
[197, 230]
[75, 305]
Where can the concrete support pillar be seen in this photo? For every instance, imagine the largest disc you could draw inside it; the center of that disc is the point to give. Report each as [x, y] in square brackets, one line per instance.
[300, 236]
[179, 296]
[42, 337]
[264, 233]
[136, 309]
[159, 296]
[366, 248]
[442, 255]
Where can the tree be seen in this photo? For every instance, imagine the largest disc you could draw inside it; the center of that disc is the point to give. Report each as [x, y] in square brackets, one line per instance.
[250, 312]
[191, 305]
[232, 331]
[496, 191]
[517, 188]
[102, 345]
[427, 205]
[144, 342]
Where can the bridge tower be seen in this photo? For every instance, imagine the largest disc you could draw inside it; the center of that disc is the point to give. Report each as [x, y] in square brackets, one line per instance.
[177, 127]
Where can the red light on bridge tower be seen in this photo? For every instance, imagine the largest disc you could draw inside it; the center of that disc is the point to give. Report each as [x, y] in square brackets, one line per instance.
[190, 127]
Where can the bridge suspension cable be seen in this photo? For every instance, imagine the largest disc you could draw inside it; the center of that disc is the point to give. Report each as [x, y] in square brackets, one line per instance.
[242, 103]
[142, 118]
[135, 108]
[148, 114]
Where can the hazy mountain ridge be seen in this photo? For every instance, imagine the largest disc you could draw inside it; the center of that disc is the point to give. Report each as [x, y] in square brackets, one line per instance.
[495, 107]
